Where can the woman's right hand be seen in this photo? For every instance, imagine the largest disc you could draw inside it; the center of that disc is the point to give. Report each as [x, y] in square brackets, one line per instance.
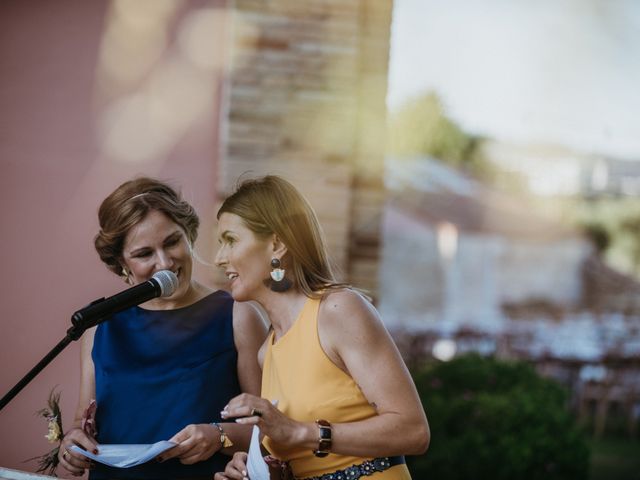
[75, 462]
[249, 409]
[236, 469]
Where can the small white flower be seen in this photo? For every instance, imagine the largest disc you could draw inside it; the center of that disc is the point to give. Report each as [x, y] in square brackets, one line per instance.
[53, 435]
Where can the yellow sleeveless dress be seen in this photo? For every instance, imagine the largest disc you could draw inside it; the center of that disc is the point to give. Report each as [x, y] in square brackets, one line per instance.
[308, 386]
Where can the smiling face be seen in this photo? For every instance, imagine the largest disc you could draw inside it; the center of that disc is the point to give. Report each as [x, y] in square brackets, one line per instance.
[245, 257]
[157, 243]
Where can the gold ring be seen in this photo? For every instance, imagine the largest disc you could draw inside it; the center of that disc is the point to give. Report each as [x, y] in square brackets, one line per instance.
[255, 412]
[64, 454]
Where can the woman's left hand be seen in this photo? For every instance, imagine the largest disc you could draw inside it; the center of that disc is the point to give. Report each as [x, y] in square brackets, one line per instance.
[251, 410]
[195, 443]
[235, 469]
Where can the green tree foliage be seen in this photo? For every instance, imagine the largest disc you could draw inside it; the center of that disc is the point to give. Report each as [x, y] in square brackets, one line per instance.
[421, 127]
[598, 234]
[631, 226]
[613, 224]
[496, 420]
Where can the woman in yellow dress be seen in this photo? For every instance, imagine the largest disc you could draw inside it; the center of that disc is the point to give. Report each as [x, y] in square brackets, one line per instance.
[337, 401]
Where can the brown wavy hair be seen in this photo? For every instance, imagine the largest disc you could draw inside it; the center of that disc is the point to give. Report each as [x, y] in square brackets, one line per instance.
[271, 205]
[128, 205]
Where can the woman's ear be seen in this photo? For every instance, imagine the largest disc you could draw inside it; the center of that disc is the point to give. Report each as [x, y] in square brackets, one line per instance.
[279, 248]
[124, 273]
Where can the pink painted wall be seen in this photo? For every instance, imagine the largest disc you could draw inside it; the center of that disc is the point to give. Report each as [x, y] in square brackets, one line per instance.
[54, 172]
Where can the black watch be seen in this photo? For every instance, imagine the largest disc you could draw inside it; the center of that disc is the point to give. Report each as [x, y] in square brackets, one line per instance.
[324, 438]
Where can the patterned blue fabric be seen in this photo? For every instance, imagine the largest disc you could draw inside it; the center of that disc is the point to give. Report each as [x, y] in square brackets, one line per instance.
[159, 370]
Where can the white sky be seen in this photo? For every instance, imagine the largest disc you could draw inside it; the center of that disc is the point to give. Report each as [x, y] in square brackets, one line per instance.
[548, 71]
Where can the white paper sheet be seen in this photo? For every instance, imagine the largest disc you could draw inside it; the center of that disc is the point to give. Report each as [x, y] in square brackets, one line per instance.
[125, 456]
[257, 468]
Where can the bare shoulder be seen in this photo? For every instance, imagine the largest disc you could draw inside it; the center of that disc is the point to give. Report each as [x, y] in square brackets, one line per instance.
[344, 299]
[245, 313]
[350, 329]
[346, 309]
[249, 326]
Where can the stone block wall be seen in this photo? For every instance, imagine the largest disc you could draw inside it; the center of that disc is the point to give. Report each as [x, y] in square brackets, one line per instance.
[306, 100]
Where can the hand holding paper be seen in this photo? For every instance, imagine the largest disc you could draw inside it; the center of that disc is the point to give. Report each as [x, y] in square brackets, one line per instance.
[125, 456]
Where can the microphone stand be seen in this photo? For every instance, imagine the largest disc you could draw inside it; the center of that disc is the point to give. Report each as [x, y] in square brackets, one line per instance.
[78, 327]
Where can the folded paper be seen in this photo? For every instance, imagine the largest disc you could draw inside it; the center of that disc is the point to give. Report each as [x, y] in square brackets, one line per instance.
[125, 456]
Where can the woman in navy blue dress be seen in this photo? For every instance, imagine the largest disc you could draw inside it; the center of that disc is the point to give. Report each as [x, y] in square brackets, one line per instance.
[163, 370]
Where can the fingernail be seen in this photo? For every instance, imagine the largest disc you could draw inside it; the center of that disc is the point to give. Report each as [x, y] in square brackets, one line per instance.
[244, 472]
[240, 420]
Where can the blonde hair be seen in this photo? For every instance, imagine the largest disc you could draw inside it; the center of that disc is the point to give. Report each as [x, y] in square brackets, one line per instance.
[271, 205]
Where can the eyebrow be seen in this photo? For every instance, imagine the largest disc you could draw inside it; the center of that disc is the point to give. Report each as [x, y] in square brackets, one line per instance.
[168, 237]
[174, 234]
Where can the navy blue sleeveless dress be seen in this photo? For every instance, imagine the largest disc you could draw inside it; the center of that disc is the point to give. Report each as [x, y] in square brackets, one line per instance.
[158, 371]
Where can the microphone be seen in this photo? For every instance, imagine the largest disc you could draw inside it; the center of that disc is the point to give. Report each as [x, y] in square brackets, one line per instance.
[162, 284]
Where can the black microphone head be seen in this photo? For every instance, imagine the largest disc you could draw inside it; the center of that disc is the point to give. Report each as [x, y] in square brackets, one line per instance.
[168, 282]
